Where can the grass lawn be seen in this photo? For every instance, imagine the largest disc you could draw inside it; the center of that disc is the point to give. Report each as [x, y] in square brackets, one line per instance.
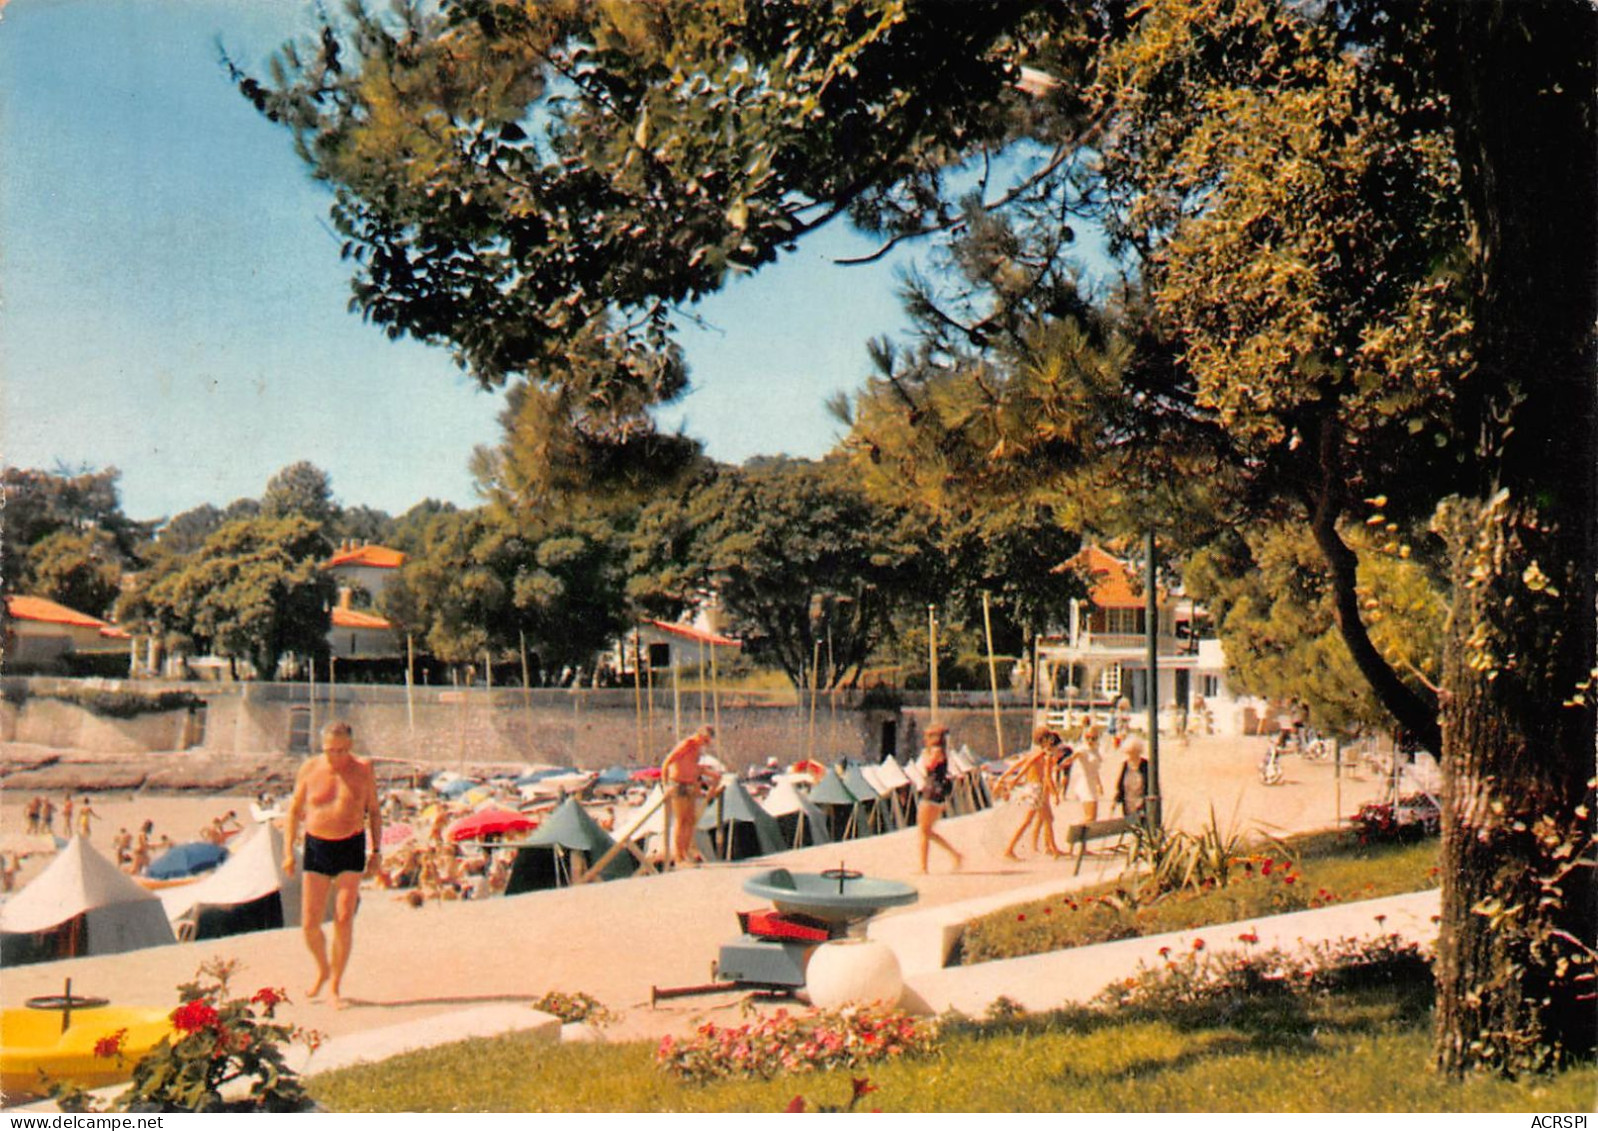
[1319, 869]
[1353, 1051]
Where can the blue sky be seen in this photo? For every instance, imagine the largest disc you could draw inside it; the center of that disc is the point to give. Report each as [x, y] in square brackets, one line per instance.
[174, 305]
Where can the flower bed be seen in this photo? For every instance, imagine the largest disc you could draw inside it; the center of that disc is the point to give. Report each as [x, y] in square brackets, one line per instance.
[790, 1043]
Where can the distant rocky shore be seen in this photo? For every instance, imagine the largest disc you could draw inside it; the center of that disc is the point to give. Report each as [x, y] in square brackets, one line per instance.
[28, 767]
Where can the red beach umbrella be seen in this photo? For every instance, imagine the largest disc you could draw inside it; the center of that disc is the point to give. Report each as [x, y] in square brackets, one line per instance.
[648, 773]
[490, 822]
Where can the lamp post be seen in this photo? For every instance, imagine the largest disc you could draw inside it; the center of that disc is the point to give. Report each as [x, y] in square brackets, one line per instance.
[1151, 637]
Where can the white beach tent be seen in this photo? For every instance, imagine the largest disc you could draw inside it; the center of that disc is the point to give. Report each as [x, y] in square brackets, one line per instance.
[81, 893]
[247, 893]
[802, 824]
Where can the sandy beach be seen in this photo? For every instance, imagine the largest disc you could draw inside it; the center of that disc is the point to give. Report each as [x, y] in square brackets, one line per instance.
[617, 940]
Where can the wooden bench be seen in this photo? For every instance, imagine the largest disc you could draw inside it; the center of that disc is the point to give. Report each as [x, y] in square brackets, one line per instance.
[1079, 835]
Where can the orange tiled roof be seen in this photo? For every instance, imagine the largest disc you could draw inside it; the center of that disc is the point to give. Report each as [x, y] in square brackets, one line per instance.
[47, 611]
[378, 557]
[351, 618]
[696, 634]
[1113, 584]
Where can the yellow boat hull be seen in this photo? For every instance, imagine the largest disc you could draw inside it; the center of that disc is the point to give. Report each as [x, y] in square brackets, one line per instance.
[31, 1042]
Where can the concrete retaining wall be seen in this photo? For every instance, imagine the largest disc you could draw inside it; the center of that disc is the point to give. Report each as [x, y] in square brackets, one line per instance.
[588, 729]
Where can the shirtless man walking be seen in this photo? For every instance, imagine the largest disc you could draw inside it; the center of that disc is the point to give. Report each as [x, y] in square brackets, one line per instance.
[335, 795]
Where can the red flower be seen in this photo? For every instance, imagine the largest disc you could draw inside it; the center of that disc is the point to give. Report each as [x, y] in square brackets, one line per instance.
[269, 997]
[1020, 918]
[192, 1016]
[795, 1105]
[107, 1047]
[1265, 868]
[1248, 937]
[1198, 944]
[1048, 911]
[1165, 952]
[862, 1086]
[1290, 879]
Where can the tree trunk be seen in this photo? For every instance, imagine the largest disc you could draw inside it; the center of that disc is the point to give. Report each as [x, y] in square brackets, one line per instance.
[1515, 970]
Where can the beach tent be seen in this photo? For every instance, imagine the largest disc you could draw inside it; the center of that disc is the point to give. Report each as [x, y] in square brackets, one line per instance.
[80, 905]
[842, 808]
[801, 823]
[735, 827]
[970, 791]
[646, 823]
[901, 791]
[873, 813]
[248, 893]
[568, 841]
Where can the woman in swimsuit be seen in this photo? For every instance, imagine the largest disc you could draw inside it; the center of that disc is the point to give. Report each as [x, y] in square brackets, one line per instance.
[1030, 781]
[934, 795]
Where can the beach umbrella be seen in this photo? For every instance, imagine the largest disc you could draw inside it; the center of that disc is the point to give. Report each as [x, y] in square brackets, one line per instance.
[187, 860]
[397, 836]
[616, 775]
[490, 822]
[454, 789]
[648, 773]
[477, 795]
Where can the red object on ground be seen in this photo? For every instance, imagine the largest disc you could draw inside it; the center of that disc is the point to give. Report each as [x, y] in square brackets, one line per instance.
[776, 925]
[806, 766]
[490, 822]
[648, 773]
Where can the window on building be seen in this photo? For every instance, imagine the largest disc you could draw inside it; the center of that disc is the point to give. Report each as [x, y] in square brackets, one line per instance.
[1210, 686]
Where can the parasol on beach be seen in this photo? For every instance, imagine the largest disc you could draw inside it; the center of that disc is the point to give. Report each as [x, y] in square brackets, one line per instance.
[490, 822]
[648, 773]
[187, 860]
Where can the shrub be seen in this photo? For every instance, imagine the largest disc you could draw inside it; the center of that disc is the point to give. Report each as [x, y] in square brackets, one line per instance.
[220, 1039]
[1199, 977]
[1414, 817]
[125, 704]
[573, 1008]
[792, 1043]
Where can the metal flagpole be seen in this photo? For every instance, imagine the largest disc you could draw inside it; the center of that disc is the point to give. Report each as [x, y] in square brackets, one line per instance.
[932, 657]
[1151, 637]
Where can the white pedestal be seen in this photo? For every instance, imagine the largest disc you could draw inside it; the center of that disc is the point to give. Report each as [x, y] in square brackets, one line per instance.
[853, 971]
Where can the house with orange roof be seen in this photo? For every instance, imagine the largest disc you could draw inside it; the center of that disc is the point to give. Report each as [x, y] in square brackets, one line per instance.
[41, 634]
[1099, 665]
[362, 573]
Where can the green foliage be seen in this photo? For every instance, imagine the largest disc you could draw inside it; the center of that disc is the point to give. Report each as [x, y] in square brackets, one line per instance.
[254, 591]
[124, 704]
[220, 1040]
[300, 489]
[1357, 1050]
[81, 569]
[1314, 873]
[478, 581]
[796, 555]
[1270, 596]
[785, 1043]
[573, 1008]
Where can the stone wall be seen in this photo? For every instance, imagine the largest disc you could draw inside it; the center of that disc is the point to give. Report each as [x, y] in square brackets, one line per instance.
[588, 729]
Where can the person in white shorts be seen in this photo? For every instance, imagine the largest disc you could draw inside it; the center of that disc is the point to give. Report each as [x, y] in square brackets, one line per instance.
[1083, 784]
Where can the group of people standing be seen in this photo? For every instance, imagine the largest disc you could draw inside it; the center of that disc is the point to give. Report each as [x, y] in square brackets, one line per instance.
[76, 817]
[1052, 770]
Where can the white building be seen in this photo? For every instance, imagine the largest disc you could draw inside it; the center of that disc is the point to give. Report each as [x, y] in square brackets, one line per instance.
[1099, 665]
[362, 573]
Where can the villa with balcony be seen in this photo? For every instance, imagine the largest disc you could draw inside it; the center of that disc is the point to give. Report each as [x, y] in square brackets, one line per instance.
[1099, 665]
